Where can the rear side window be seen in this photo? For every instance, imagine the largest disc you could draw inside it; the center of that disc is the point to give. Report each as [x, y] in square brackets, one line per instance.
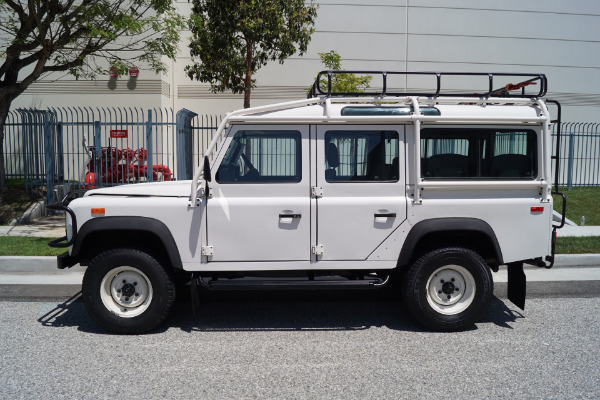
[361, 156]
[456, 153]
[262, 157]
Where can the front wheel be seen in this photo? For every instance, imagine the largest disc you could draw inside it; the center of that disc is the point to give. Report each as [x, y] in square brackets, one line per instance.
[127, 291]
[448, 289]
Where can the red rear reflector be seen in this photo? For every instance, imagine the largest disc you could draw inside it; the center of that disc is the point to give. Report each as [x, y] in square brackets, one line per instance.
[96, 211]
[537, 209]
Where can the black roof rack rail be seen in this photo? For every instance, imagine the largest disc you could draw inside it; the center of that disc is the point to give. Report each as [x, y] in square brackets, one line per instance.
[503, 91]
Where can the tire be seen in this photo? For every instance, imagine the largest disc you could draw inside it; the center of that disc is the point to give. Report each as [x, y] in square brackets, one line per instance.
[127, 291]
[448, 289]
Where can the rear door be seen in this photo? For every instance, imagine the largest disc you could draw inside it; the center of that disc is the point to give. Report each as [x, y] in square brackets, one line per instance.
[363, 188]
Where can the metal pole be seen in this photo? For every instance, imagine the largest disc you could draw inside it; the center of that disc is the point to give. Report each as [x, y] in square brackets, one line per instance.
[98, 146]
[149, 163]
[49, 157]
[570, 160]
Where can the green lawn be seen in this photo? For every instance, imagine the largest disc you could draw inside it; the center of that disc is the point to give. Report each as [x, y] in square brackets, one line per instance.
[581, 202]
[27, 246]
[577, 245]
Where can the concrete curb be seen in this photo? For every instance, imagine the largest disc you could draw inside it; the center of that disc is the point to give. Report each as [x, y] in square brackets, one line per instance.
[36, 210]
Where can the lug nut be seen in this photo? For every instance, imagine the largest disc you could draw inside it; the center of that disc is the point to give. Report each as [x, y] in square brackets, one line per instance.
[441, 281]
[134, 283]
[127, 298]
[449, 297]
[439, 292]
[137, 294]
[456, 289]
[452, 279]
[118, 290]
[124, 281]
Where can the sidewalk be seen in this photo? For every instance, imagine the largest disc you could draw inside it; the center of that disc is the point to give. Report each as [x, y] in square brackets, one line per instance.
[53, 226]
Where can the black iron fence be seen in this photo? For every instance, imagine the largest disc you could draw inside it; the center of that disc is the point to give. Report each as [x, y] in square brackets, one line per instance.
[63, 149]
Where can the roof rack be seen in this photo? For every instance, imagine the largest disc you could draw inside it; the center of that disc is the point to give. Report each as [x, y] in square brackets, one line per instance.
[503, 91]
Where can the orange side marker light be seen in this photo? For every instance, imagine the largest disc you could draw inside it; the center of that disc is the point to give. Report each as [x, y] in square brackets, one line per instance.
[98, 211]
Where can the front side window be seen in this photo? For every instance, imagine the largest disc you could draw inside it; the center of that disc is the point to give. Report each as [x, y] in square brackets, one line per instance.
[457, 153]
[361, 156]
[262, 157]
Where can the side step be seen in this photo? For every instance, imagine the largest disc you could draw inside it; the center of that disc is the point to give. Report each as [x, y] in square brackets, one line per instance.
[293, 284]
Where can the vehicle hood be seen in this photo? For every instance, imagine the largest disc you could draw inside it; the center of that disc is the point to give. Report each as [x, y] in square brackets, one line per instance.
[160, 189]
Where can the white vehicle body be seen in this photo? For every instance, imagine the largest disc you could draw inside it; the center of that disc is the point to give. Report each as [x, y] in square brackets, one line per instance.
[344, 184]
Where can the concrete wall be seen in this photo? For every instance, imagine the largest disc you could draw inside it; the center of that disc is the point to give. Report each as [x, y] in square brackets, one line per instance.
[555, 37]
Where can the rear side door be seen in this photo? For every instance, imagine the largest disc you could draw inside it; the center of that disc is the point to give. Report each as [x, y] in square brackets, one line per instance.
[360, 188]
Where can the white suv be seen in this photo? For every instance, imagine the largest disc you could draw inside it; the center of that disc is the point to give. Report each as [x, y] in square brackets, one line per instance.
[335, 191]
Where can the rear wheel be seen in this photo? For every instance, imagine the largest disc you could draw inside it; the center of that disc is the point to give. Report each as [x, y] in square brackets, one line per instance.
[127, 291]
[448, 289]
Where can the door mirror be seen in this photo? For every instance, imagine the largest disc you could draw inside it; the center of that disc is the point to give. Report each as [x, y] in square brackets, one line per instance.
[206, 170]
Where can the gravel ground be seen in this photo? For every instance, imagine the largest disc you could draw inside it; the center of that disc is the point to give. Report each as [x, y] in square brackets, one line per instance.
[286, 348]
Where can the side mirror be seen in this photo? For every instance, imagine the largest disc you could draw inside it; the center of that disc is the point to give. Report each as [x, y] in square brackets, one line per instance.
[206, 170]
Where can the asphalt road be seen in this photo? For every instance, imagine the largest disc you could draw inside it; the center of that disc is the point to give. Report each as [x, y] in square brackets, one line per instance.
[304, 345]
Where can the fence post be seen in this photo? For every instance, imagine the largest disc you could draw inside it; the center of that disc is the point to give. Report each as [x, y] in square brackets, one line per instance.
[570, 160]
[185, 145]
[60, 150]
[98, 147]
[149, 148]
[49, 157]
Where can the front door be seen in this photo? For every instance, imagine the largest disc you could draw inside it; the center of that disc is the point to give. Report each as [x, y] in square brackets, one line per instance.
[260, 209]
[359, 169]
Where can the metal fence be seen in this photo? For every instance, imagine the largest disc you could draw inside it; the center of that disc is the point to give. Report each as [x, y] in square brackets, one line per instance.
[579, 154]
[63, 149]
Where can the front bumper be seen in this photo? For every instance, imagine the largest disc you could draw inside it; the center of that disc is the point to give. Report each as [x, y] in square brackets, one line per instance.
[65, 260]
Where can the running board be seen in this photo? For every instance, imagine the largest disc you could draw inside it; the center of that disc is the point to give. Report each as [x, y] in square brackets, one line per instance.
[292, 284]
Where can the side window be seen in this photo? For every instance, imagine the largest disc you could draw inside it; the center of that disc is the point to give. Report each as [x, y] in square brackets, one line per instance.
[478, 153]
[262, 157]
[361, 156]
[514, 155]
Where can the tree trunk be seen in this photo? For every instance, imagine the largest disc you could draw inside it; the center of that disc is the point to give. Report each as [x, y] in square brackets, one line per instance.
[4, 107]
[248, 78]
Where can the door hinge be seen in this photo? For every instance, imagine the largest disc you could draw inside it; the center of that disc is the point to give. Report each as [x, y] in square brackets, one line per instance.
[203, 193]
[318, 249]
[317, 191]
[207, 251]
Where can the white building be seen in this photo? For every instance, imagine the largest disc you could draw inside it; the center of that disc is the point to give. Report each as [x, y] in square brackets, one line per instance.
[558, 38]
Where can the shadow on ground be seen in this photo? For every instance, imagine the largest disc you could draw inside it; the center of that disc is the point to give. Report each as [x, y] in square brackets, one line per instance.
[277, 311]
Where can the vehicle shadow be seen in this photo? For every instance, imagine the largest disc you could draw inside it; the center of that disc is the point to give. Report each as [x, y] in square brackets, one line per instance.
[277, 311]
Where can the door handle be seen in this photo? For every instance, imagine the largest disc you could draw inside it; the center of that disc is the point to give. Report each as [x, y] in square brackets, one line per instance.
[290, 215]
[386, 215]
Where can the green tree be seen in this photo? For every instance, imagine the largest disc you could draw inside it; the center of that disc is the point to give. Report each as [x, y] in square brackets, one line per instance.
[342, 83]
[38, 37]
[234, 38]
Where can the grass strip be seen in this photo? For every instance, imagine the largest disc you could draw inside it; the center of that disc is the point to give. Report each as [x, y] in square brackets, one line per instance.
[36, 246]
[578, 245]
[581, 201]
[27, 246]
